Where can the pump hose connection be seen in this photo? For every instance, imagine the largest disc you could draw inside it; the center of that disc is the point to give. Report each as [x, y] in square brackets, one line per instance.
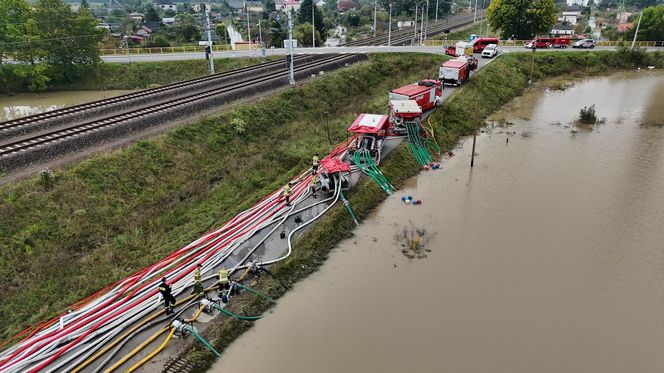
[365, 162]
[348, 208]
[417, 147]
[185, 328]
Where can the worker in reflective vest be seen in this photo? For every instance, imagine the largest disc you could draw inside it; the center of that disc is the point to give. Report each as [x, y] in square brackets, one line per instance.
[315, 163]
[224, 282]
[313, 185]
[169, 299]
[287, 193]
[198, 286]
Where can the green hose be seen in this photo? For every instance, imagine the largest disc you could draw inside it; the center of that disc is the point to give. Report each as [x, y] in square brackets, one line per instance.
[348, 208]
[255, 292]
[364, 161]
[417, 147]
[203, 341]
[239, 317]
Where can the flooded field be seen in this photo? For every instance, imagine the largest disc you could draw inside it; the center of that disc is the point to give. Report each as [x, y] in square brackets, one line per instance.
[548, 256]
[25, 104]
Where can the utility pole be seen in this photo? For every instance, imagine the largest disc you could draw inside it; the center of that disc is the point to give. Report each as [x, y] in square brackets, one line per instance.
[415, 26]
[260, 38]
[475, 16]
[436, 11]
[422, 25]
[126, 43]
[291, 75]
[389, 30]
[248, 27]
[313, 24]
[209, 38]
[375, 10]
[637, 30]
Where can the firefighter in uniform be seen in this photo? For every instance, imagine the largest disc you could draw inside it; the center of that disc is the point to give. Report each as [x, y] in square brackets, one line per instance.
[169, 299]
[287, 193]
[224, 282]
[198, 286]
[313, 184]
[315, 163]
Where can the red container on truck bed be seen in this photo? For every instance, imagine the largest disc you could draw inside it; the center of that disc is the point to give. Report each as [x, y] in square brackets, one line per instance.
[454, 72]
[426, 93]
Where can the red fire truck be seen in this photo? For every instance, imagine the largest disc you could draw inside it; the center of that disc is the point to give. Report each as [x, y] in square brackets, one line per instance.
[427, 93]
[454, 72]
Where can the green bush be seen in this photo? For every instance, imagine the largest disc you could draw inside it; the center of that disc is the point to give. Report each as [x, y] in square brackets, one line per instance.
[587, 115]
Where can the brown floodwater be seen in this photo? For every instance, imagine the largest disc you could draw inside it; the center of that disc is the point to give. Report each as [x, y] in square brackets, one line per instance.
[21, 105]
[548, 256]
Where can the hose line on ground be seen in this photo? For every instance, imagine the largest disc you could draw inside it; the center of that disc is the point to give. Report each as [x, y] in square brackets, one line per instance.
[153, 353]
[348, 208]
[365, 162]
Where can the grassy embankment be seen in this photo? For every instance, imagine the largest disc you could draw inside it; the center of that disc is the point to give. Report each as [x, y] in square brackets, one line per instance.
[112, 214]
[465, 33]
[137, 75]
[497, 84]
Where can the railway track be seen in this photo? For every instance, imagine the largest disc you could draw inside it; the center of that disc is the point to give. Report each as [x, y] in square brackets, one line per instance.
[39, 122]
[405, 35]
[56, 142]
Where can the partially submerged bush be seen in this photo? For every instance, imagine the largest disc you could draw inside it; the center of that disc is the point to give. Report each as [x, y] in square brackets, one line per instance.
[587, 115]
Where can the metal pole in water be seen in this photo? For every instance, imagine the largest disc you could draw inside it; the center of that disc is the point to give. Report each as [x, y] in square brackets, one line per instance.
[532, 66]
[637, 30]
[472, 156]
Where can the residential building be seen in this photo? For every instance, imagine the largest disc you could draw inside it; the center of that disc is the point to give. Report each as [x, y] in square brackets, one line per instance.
[344, 5]
[570, 17]
[135, 16]
[196, 7]
[577, 2]
[168, 6]
[562, 30]
[288, 5]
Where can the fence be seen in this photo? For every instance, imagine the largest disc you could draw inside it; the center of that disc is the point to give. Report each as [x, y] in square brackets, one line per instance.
[158, 50]
[520, 43]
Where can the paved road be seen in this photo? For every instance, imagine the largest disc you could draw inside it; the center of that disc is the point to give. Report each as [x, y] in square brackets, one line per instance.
[282, 52]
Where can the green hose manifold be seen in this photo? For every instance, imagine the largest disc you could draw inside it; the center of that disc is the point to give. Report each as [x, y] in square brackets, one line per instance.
[417, 147]
[365, 162]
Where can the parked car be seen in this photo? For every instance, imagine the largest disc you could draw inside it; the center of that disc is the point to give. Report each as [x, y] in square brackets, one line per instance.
[584, 43]
[490, 51]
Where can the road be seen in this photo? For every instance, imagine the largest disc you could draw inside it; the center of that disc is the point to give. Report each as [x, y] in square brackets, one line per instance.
[324, 50]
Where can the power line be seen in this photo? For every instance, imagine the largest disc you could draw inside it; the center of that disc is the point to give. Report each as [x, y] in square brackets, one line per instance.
[53, 39]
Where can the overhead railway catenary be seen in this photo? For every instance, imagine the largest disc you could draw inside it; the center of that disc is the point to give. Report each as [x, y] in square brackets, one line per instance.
[405, 35]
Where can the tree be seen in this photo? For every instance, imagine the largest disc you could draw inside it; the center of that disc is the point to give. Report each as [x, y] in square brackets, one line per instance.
[151, 14]
[15, 16]
[270, 6]
[303, 35]
[186, 30]
[84, 4]
[304, 16]
[68, 39]
[652, 25]
[521, 19]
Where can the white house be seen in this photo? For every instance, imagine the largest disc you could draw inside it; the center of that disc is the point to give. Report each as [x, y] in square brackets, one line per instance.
[570, 17]
[562, 30]
[286, 5]
[577, 2]
[168, 6]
